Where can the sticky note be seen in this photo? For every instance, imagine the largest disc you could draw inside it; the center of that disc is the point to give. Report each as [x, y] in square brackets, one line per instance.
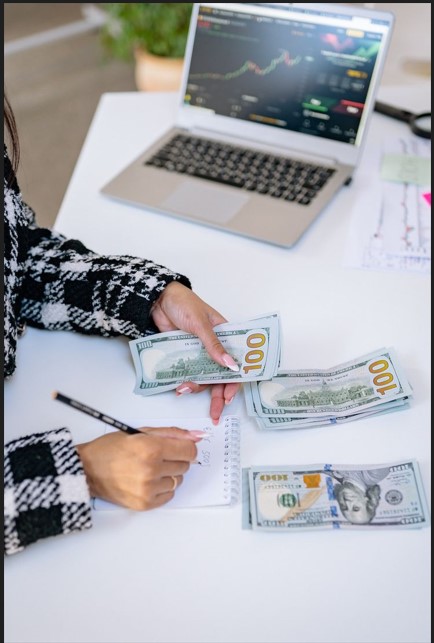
[402, 168]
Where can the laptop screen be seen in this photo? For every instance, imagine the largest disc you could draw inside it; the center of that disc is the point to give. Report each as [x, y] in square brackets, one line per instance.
[302, 69]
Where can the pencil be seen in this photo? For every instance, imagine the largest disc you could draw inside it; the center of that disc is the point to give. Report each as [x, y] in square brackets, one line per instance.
[94, 413]
[99, 416]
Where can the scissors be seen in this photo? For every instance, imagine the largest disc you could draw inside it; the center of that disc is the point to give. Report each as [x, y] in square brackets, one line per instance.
[420, 124]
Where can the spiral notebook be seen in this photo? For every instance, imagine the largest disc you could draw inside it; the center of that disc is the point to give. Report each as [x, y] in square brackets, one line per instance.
[216, 480]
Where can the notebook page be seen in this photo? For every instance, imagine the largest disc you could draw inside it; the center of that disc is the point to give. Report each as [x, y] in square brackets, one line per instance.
[215, 481]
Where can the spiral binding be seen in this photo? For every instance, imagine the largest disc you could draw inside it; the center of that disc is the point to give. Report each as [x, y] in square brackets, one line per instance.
[231, 474]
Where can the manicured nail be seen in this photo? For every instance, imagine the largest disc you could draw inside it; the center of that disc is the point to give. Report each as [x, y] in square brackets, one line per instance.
[215, 422]
[230, 363]
[230, 400]
[199, 434]
[184, 390]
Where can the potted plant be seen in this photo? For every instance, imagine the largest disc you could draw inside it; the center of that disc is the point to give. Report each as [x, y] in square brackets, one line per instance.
[152, 34]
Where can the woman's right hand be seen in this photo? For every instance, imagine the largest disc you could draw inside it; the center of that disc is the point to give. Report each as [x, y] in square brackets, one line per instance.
[138, 471]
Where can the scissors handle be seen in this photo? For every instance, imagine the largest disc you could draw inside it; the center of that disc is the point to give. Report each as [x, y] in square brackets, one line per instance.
[393, 112]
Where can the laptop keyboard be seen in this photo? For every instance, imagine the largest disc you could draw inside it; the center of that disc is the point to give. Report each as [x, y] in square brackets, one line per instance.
[277, 176]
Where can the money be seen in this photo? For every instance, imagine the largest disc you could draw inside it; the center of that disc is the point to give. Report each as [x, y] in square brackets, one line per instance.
[371, 384]
[293, 498]
[165, 360]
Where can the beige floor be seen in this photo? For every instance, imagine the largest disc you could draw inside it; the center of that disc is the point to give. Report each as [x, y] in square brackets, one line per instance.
[55, 88]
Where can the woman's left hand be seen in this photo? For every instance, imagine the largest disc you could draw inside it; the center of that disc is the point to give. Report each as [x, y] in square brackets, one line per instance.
[179, 308]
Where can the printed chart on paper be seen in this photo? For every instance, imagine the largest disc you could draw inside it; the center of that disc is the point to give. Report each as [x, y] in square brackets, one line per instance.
[391, 225]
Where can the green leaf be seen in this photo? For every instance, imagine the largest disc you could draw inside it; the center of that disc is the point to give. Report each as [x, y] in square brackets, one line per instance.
[161, 28]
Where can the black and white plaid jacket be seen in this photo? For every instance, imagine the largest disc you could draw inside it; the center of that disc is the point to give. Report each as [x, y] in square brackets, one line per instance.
[56, 283]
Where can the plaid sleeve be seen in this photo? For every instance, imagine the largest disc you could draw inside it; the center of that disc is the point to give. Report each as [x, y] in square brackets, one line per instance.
[45, 489]
[68, 287]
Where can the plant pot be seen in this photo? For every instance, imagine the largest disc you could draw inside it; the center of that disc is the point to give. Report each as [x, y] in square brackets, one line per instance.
[157, 73]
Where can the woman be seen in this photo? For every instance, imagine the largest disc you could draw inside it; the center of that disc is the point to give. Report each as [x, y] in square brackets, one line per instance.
[56, 283]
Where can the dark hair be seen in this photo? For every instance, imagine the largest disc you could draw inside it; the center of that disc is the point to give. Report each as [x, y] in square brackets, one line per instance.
[11, 128]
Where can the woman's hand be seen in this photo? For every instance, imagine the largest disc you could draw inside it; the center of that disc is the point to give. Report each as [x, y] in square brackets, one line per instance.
[139, 471]
[179, 308]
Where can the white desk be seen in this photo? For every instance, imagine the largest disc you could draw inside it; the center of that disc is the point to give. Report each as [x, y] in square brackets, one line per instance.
[194, 575]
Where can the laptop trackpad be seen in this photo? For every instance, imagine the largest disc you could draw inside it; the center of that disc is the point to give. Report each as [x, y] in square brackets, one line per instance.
[205, 202]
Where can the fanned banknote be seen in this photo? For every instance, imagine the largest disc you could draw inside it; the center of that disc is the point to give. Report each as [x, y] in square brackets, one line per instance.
[165, 360]
[371, 384]
[294, 498]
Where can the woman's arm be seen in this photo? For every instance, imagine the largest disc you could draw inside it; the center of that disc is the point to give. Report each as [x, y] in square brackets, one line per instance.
[45, 489]
[48, 481]
[68, 287]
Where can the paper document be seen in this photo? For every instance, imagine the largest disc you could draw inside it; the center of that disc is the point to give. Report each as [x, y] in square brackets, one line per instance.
[391, 222]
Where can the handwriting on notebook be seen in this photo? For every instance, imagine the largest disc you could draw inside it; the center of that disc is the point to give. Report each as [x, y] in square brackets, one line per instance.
[216, 480]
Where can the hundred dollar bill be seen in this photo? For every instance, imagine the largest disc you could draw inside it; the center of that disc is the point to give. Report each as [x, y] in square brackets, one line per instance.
[165, 360]
[361, 384]
[286, 422]
[292, 498]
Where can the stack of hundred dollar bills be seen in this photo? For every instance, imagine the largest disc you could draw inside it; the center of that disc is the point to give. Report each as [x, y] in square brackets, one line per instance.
[294, 498]
[371, 384]
[164, 360]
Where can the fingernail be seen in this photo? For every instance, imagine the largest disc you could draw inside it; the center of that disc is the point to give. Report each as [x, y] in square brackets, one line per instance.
[230, 400]
[198, 434]
[183, 390]
[230, 363]
[215, 422]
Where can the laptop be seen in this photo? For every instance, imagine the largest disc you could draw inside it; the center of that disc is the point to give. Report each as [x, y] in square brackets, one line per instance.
[273, 111]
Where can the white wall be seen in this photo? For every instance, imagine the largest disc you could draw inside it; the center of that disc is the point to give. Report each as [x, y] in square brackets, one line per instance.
[409, 57]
